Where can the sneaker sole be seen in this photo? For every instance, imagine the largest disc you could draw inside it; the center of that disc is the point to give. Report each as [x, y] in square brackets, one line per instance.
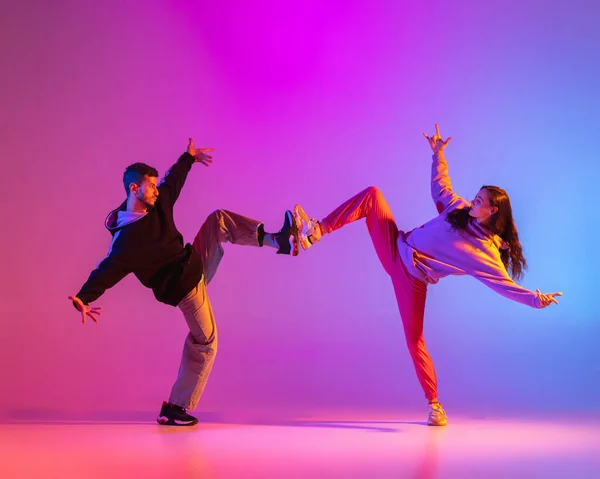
[167, 421]
[295, 250]
[445, 423]
[301, 217]
[294, 237]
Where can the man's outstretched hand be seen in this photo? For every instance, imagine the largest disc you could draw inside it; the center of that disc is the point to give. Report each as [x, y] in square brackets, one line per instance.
[86, 310]
[435, 141]
[200, 153]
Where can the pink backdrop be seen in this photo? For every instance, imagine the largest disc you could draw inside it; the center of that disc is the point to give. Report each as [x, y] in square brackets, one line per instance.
[309, 104]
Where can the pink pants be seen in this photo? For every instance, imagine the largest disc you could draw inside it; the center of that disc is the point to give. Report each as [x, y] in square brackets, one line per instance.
[410, 292]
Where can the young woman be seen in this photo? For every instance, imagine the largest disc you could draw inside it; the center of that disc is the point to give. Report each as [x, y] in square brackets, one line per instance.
[477, 238]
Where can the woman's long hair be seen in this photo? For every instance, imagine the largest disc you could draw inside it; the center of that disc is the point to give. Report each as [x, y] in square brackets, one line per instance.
[502, 224]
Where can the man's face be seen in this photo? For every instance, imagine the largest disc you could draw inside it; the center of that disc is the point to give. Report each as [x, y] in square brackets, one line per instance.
[146, 191]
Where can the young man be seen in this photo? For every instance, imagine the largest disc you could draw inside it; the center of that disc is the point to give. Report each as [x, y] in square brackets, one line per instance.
[145, 242]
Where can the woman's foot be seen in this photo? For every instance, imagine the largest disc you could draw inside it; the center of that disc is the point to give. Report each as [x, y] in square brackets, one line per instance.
[437, 415]
[309, 230]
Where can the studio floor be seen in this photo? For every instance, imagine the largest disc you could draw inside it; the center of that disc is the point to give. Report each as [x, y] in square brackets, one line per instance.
[349, 446]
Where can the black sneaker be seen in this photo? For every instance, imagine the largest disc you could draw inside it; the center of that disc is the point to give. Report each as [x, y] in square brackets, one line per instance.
[171, 415]
[287, 238]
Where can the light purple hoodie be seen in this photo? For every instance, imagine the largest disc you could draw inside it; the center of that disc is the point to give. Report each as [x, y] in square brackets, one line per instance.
[434, 251]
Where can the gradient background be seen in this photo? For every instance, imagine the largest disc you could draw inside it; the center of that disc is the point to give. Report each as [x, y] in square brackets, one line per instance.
[306, 103]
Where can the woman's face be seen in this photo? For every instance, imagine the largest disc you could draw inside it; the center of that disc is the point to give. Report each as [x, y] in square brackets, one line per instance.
[481, 209]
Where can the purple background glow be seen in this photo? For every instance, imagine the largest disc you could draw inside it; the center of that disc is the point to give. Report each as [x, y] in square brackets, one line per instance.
[309, 104]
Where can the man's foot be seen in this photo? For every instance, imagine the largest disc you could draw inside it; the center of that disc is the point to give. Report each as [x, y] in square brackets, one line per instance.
[309, 230]
[287, 238]
[172, 415]
[437, 415]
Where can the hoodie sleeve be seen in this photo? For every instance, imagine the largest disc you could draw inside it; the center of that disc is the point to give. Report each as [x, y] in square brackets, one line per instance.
[109, 272]
[174, 179]
[495, 277]
[441, 187]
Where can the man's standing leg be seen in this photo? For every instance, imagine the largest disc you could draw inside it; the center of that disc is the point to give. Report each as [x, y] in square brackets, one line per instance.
[198, 357]
[200, 346]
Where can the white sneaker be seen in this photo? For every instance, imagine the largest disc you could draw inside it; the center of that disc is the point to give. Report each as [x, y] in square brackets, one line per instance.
[309, 230]
[437, 415]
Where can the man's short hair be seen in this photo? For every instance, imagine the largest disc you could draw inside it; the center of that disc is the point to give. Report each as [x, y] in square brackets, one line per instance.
[135, 174]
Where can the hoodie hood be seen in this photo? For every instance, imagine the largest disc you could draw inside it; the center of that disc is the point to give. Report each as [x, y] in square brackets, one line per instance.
[119, 218]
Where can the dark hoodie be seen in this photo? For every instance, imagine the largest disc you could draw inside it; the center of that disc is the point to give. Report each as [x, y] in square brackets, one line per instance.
[150, 247]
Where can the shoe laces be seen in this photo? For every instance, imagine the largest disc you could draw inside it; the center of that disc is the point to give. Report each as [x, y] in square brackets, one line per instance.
[436, 409]
[316, 232]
